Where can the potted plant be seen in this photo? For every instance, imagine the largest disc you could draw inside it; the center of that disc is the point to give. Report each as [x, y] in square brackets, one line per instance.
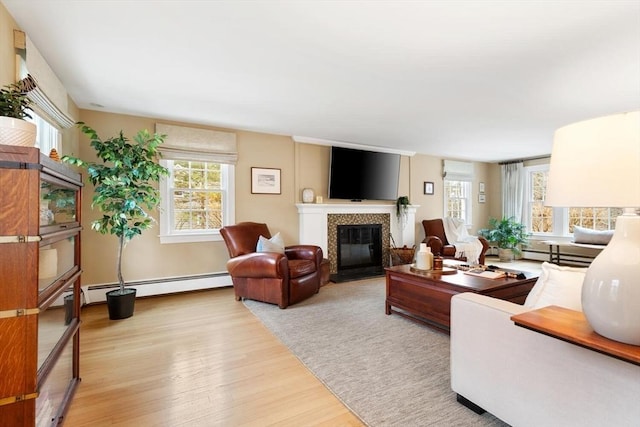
[123, 190]
[14, 108]
[508, 234]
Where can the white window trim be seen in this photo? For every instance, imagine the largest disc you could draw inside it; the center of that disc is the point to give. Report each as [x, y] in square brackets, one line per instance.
[560, 214]
[48, 135]
[559, 226]
[469, 205]
[229, 213]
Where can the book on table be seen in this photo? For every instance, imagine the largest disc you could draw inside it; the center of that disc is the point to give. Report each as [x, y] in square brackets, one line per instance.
[486, 273]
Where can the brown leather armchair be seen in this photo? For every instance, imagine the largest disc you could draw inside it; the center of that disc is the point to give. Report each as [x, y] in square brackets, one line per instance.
[436, 239]
[272, 277]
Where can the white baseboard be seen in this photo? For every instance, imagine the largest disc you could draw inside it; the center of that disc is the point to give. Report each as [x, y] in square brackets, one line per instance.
[535, 256]
[568, 259]
[96, 293]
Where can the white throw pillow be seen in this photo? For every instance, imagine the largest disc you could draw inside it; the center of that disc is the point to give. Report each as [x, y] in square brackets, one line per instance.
[591, 237]
[274, 244]
[557, 285]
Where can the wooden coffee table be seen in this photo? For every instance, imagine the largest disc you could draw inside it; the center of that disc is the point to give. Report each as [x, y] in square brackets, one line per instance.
[426, 296]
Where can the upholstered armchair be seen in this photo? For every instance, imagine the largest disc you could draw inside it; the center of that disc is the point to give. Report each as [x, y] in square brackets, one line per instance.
[285, 276]
[436, 239]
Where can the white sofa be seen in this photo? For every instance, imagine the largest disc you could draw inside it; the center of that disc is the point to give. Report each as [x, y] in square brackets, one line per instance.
[526, 378]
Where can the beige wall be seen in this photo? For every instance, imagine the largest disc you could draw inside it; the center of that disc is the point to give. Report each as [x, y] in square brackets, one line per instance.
[145, 257]
[429, 168]
[312, 169]
[7, 55]
[301, 165]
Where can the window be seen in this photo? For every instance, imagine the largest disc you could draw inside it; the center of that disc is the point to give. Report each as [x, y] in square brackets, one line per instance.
[457, 200]
[596, 218]
[198, 196]
[540, 216]
[197, 200]
[555, 221]
[48, 136]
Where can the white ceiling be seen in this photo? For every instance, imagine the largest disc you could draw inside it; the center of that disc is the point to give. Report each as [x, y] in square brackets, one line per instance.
[480, 80]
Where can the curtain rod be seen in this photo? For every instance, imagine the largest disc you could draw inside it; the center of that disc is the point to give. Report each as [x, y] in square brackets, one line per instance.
[508, 162]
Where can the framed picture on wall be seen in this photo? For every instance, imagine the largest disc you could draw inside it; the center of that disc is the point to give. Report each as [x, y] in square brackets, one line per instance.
[265, 181]
[428, 187]
[481, 198]
[481, 188]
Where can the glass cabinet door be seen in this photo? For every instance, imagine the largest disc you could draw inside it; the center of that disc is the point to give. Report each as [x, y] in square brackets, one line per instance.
[53, 391]
[57, 259]
[53, 323]
[58, 202]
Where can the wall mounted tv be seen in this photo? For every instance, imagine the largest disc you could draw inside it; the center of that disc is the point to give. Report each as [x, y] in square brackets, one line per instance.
[360, 174]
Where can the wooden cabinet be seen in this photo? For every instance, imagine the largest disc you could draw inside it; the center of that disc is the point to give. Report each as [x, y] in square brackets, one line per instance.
[39, 287]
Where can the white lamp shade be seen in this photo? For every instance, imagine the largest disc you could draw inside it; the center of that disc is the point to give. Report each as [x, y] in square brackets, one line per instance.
[596, 163]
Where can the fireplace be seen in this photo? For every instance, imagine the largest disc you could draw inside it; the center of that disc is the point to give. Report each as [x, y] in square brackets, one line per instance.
[359, 251]
[358, 224]
[318, 226]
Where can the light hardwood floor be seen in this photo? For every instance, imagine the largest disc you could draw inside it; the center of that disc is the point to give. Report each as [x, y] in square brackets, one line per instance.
[198, 359]
[194, 359]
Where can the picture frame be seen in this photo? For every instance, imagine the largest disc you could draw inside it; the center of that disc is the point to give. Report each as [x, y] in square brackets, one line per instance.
[481, 198]
[428, 188]
[265, 181]
[481, 188]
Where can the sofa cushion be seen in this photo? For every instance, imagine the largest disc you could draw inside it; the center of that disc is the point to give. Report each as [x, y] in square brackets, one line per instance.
[274, 244]
[590, 236]
[561, 286]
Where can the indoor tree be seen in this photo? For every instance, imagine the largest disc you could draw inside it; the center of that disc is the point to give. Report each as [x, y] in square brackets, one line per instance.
[124, 189]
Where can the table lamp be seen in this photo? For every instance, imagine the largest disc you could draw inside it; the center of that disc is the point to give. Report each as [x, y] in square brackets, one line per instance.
[596, 163]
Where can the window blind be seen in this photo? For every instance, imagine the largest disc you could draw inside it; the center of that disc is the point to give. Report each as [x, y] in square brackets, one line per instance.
[185, 143]
[50, 97]
[457, 171]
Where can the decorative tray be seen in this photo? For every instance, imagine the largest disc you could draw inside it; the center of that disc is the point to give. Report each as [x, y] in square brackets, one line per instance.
[445, 270]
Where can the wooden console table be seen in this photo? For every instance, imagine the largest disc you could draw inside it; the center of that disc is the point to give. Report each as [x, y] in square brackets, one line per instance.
[571, 326]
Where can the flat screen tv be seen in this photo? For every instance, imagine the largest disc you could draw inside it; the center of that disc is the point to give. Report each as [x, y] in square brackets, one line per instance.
[363, 175]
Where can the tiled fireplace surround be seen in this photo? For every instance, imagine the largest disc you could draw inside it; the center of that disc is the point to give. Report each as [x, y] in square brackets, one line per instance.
[319, 224]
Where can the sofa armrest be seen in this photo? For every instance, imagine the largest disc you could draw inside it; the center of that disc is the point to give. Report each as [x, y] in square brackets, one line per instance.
[435, 243]
[480, 325]
[309, 252]
[485, 244]
[259, 264]
[526, 378]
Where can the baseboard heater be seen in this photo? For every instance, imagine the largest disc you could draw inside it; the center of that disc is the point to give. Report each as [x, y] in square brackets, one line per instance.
[94, 294]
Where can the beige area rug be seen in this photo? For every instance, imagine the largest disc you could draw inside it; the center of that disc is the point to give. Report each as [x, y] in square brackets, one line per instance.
[388, 370]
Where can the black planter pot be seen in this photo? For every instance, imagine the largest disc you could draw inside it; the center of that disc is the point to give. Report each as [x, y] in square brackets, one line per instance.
[121, 305]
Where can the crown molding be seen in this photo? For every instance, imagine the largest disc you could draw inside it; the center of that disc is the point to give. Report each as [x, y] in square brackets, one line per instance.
[319, 141]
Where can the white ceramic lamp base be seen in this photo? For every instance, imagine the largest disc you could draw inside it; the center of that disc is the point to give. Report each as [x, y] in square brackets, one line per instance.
[611, 288]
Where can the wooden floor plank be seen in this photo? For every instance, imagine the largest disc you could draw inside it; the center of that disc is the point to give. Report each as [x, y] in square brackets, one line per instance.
[194, 359]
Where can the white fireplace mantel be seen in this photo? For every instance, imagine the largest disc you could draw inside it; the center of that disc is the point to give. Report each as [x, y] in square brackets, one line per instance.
[313, 221]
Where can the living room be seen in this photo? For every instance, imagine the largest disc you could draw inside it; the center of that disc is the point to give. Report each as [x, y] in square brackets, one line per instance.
[199, 265]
